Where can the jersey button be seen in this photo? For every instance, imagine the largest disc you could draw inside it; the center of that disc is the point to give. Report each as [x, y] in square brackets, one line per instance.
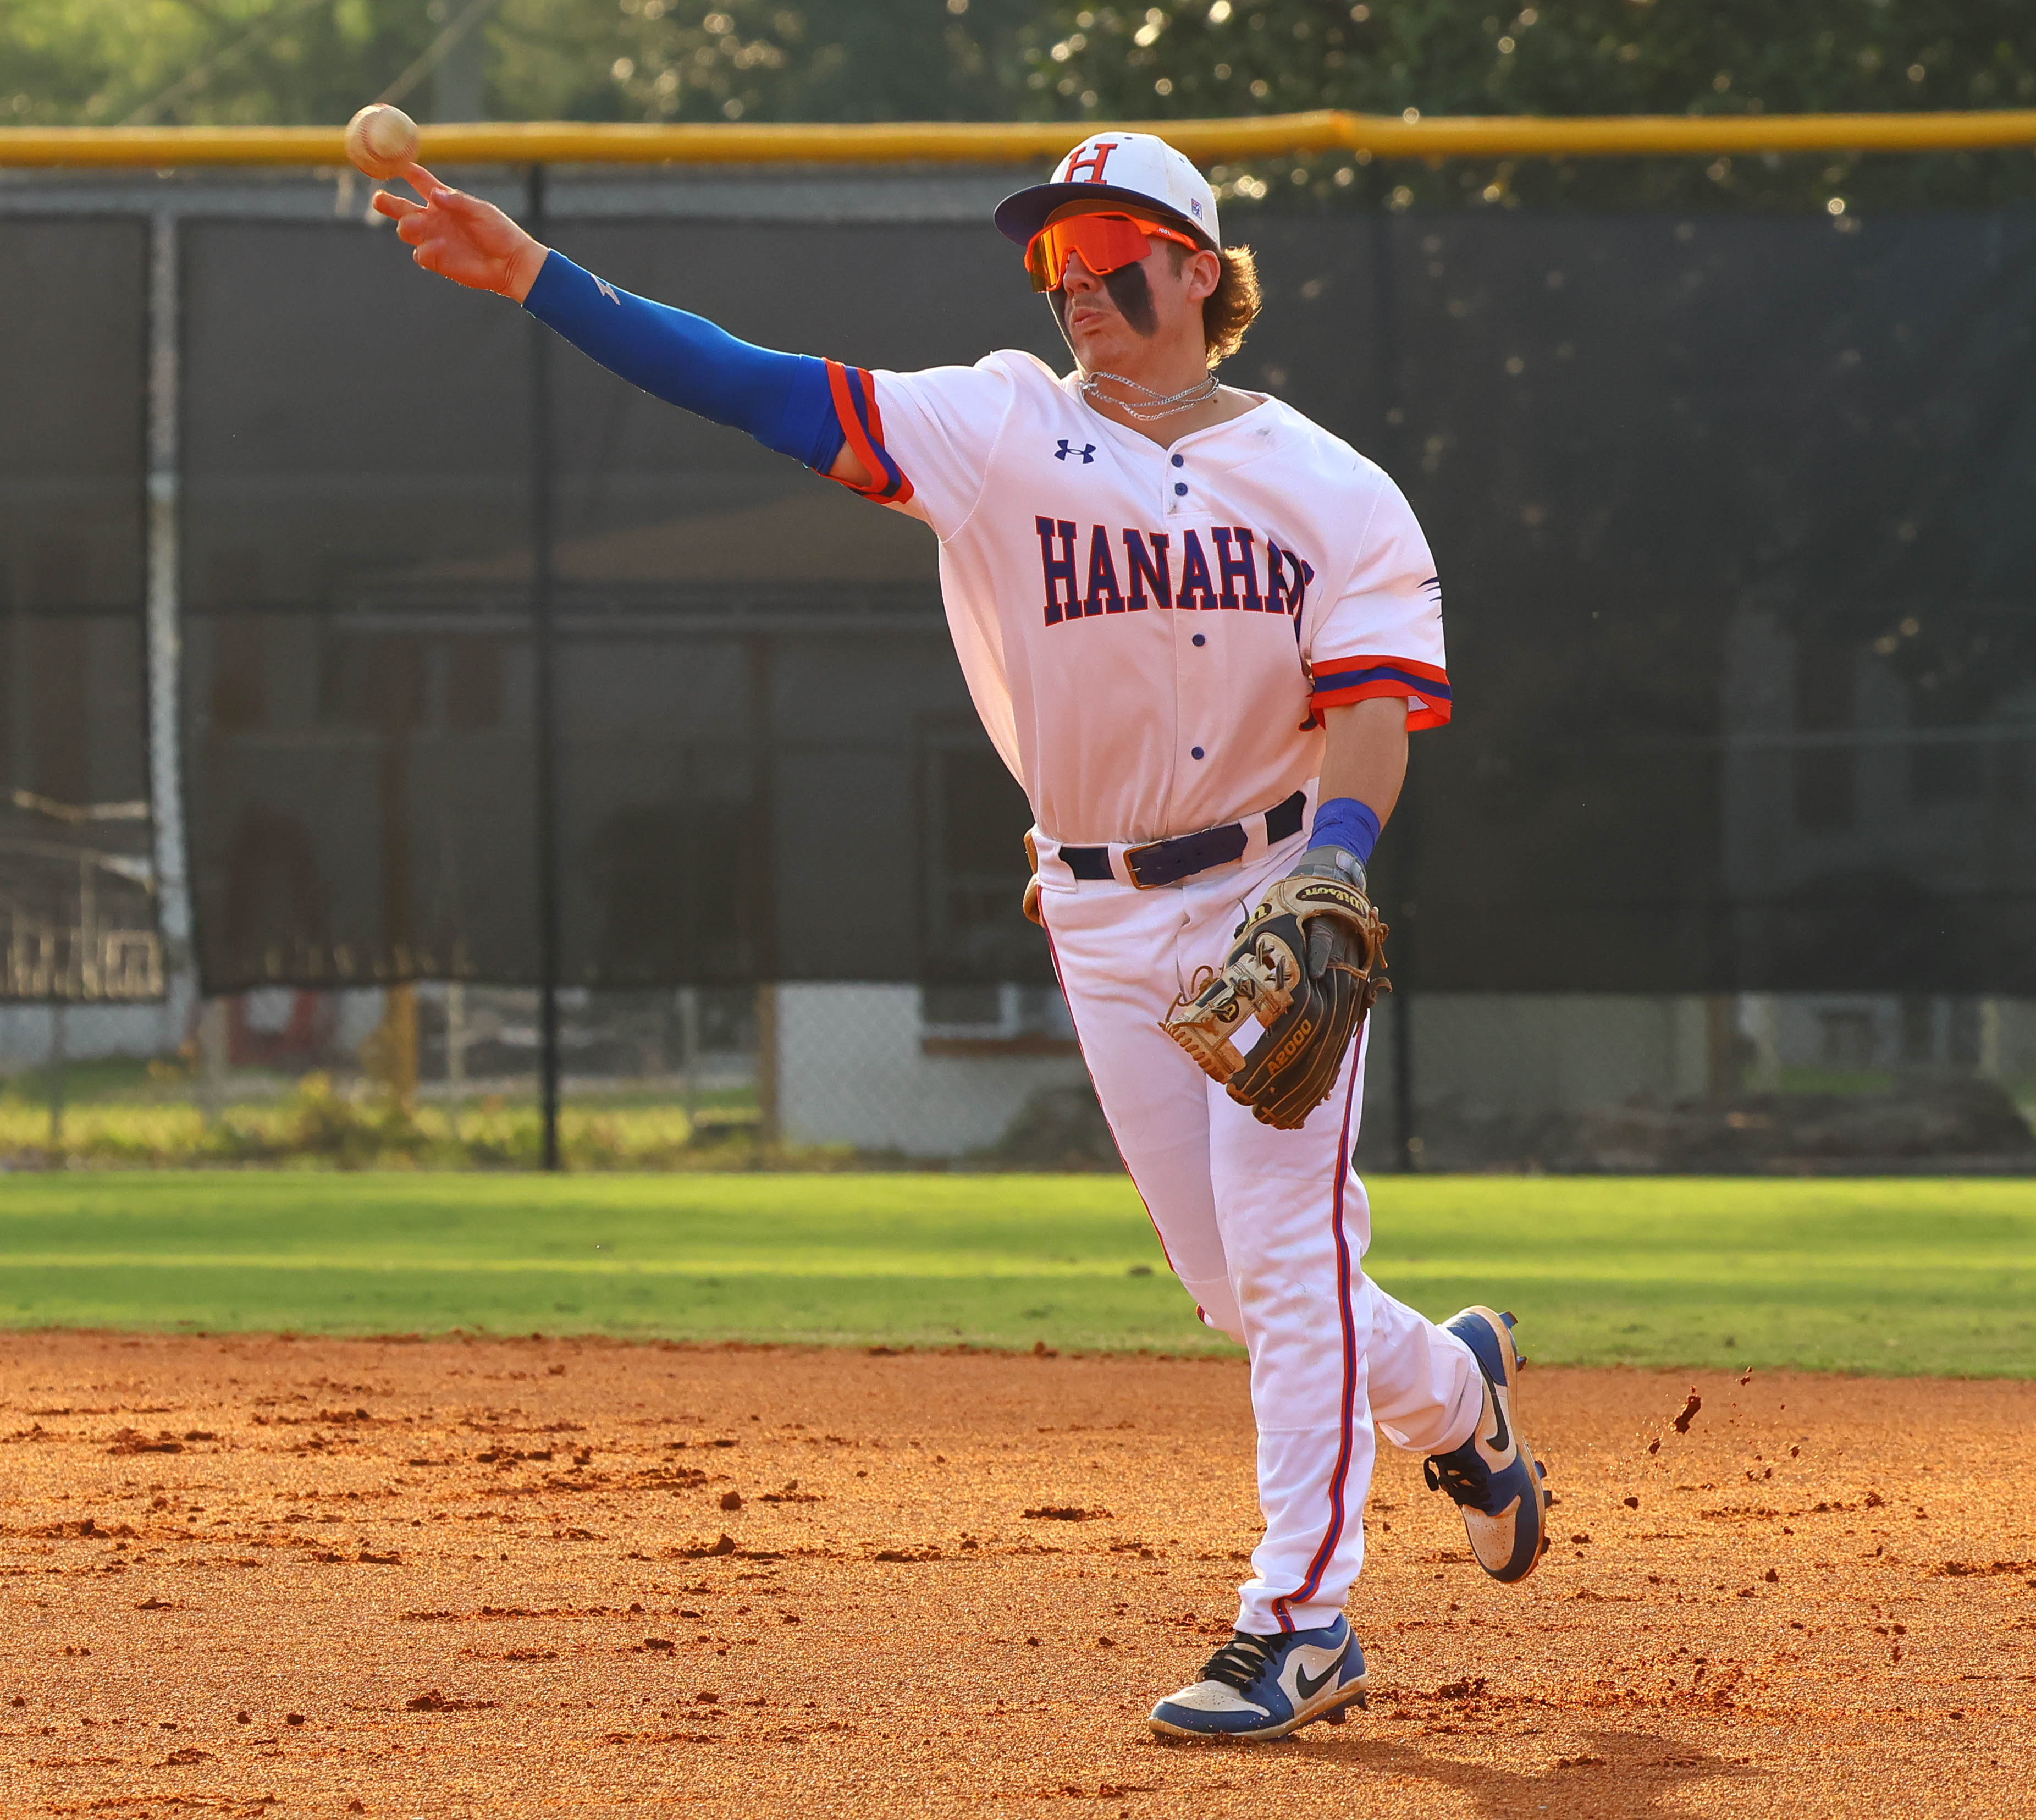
[1200, 640]
[1180, 461]
[1196, 753]
[1181, 489]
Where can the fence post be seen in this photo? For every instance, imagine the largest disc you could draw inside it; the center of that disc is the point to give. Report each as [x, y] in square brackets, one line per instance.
[763, 883]
[769, 1067]
[1989, 1066]
[212, 1037]
[1405, 1139]
[1722, 1067]
[1385, 381]
[689, 1031]
[455, 1015]
[544, 710]
[1767, 1071]
[58, 1056]
[165, 632]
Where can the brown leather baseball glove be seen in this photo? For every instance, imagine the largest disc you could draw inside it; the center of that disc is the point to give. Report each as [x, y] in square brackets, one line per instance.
[1307, 964]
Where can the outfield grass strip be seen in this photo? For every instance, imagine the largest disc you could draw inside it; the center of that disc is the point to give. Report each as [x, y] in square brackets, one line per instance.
[1870, 1275]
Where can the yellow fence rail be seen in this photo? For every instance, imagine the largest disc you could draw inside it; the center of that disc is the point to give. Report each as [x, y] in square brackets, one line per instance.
[1210, 141]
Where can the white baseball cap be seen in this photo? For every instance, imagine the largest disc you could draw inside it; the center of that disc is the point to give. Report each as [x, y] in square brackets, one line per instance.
[1136, 167]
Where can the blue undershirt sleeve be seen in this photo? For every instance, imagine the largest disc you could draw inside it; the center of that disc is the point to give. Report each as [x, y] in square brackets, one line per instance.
[782, 400]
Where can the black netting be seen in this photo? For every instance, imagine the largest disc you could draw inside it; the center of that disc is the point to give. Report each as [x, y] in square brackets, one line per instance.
[356, 580]
[1736, 520]
[768, 766]
[1737, 523]
[77, 906]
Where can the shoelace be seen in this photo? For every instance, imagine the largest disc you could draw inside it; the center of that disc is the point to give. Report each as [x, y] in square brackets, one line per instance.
[1462, 1474]
[1240, 1661]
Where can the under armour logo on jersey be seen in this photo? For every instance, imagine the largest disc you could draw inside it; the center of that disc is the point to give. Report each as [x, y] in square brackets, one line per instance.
[1089, 158]
[1086, 452]
[608, 291]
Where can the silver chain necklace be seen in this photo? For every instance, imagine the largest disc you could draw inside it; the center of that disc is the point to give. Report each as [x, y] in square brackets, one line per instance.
[1154, 404]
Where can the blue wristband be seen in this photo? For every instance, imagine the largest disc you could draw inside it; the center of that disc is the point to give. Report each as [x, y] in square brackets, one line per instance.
[1346, 823]
[782, 400]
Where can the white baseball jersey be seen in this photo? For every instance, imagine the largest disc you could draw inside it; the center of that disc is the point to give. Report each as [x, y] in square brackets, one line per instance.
[1151, 633]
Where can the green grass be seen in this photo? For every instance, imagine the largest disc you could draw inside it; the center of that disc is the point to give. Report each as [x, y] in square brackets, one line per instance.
[1906, 1276]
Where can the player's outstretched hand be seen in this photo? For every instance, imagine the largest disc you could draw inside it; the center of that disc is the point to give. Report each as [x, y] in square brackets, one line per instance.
[462, 238]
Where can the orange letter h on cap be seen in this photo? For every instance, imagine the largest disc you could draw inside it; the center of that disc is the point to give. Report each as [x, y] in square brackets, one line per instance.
[1091, 160]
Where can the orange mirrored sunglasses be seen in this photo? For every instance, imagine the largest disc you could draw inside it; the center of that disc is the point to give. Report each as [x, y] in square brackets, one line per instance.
[1105, 242]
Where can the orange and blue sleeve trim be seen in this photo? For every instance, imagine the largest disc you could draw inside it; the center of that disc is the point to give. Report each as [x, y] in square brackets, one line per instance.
[855, 394]
[1342, 680]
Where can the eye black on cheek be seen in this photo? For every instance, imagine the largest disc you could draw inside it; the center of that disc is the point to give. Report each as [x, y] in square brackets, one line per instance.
[1132, 295]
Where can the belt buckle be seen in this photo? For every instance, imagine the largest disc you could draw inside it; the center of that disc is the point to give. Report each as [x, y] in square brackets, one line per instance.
[1131, 855]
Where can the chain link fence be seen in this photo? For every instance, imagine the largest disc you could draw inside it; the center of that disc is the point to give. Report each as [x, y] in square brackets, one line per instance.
[814, 1075]
[1728, 862]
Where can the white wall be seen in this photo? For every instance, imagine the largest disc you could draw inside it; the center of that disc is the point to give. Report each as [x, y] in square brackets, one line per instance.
[852, 1070]
[90, 1031]
[1520, 1054]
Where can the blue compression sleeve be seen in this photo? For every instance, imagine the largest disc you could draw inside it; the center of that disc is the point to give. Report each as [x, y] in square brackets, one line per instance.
[1344, 822]
[782, 400]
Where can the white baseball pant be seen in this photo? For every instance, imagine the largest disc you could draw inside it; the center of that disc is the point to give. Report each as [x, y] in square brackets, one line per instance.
[1266, 1228]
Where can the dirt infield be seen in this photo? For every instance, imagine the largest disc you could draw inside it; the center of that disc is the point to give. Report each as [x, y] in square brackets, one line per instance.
[491, 1579]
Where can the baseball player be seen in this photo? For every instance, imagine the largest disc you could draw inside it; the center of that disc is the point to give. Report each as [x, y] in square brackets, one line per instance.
[1198, 629]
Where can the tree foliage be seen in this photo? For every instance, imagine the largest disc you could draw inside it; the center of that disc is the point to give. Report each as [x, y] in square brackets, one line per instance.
[1590, 56]
[106, 63]
[762, 59]
[295, 62]
[102, 62]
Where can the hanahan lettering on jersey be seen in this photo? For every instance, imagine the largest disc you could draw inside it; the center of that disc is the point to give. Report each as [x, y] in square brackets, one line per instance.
[1091, 571]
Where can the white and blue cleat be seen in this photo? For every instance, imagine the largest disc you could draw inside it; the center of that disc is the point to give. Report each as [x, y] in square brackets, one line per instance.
[1254, 1687]
[1493, 1477]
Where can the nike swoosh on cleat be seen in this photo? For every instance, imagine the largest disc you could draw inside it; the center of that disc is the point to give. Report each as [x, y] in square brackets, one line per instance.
[1307, 1688]
[1502, 1437]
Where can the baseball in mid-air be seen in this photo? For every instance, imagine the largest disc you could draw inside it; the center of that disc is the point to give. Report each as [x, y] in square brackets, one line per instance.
[381, 140]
